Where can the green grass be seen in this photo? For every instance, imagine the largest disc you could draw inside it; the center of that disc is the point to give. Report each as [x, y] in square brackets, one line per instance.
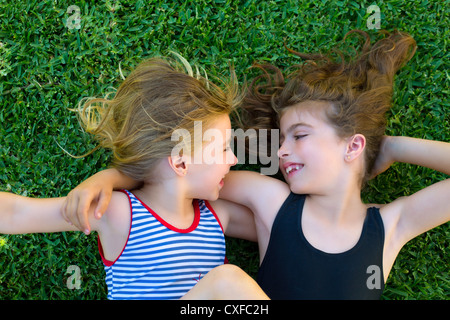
[46, 68]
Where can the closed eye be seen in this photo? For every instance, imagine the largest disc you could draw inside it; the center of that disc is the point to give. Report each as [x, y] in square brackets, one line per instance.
[299, 136]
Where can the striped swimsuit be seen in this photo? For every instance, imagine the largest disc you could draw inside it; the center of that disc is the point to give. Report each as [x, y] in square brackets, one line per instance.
[160, 261]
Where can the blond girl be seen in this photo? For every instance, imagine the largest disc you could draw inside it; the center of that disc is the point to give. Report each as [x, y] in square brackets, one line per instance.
[164, 240]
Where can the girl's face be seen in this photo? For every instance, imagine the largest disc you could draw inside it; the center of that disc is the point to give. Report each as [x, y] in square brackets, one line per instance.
[311, 154]
[217, 157]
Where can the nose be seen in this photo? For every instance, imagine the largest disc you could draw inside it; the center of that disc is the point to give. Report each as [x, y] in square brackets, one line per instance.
[283, 151]
[231, 158]
[235, 160]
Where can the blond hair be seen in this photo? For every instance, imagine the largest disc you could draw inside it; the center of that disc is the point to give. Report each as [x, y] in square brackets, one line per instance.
[158, 97]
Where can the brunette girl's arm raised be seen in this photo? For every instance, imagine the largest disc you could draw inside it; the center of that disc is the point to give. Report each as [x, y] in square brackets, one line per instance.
[428, 207]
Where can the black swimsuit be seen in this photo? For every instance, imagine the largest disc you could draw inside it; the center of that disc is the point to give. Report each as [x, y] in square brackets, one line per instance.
[293, 269]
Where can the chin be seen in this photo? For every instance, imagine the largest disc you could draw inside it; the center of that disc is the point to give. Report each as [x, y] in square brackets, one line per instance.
[214, 198]
[299, 189]
[211, 196]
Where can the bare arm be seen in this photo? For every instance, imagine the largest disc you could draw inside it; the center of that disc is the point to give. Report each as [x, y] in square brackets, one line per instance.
[261, 194]
[251, 189]
[426, 153]
[237, 221]
[20, 214]
[428, 207]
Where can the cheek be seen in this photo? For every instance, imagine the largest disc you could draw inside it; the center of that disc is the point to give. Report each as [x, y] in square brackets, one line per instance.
[324, 151]
[209, 174]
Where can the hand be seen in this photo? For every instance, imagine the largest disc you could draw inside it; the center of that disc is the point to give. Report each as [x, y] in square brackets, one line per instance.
[384, 159]
[92, 195]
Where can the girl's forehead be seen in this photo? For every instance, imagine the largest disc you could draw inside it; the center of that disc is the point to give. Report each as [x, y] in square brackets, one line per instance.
[305, 112]
[221, 121]
[220, 127]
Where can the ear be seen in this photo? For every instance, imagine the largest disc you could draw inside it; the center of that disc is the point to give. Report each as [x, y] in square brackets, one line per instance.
[355, 147]
[179, 164]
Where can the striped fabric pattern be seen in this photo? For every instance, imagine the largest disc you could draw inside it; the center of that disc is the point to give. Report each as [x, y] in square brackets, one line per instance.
[160, 261]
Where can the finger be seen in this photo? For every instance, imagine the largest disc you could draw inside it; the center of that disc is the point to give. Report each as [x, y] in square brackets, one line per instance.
[72, 207]
[83, 213]
[103, 203]
[72, 210]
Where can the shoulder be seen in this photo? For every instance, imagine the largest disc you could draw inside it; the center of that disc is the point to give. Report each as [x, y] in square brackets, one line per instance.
[120, 202]
[252, 177]
[268, 194]
[115, 226]
[419, 212]
[120, 198]
[236, 220]
[227, 211]
[258, 188]
[390, 214]
[222, 207]
[117, 216]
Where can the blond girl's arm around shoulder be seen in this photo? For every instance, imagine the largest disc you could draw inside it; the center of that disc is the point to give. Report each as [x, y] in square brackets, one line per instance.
[428, 207]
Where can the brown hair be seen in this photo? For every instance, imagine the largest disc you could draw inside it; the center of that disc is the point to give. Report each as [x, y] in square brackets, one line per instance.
[157, 98]
[359, 91]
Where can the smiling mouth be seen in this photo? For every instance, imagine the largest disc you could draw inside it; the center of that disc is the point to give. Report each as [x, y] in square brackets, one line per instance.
[293, 168]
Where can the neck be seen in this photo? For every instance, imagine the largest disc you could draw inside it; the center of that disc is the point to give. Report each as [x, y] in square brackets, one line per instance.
[169, 199]
[339, 205]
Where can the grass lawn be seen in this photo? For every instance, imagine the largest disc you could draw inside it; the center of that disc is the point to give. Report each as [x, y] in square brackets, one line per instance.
[47, 67]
